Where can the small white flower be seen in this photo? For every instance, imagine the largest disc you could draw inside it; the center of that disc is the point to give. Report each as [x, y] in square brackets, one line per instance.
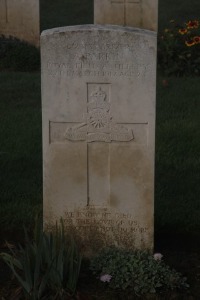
[157, 256]
[105, 278]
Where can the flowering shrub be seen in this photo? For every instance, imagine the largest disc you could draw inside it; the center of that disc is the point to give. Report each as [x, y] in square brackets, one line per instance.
[157, 256]
[138, 271]
[105, 278]
[179, 49]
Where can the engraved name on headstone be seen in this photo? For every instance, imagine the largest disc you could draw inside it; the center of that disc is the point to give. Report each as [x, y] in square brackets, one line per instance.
[134, 13]
[98, 103]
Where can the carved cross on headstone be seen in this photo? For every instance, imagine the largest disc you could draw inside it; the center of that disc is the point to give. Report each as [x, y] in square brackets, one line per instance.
[98, 126]
[125, 2]
[99, 130]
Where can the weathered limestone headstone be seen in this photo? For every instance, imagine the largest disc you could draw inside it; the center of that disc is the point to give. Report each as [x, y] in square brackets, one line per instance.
[98, 103]
[134, 13]
[20, 19]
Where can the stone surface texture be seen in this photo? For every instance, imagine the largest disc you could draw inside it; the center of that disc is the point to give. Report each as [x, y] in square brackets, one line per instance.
[134, 13]
[98, 105]
[20, 19]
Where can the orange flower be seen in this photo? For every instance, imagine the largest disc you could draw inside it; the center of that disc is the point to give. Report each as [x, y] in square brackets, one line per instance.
[193, 24]
[196, 39]
[182, 31]
[190, 43]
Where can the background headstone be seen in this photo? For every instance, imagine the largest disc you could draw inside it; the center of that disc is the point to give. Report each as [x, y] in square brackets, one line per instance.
[20, 19]
[98, 104]
[134, 13]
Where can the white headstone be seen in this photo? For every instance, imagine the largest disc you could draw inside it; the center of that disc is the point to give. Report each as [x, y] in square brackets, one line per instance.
[134, 13]
[20, 19]
[98, 103]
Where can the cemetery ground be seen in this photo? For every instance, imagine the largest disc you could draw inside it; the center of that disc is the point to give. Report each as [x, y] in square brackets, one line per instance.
[177, 188]
[177, 170]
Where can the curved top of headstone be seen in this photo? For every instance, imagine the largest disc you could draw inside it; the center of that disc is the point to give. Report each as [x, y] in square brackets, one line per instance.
[91, 27]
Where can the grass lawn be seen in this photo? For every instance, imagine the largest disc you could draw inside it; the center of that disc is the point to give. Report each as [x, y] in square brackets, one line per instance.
[177, 155]
[177, 151]
[65, 12]
[177, 187]
[21, 153]
[177, 134]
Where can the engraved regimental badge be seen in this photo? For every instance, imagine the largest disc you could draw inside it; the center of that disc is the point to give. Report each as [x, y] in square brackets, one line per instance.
[99, 124]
